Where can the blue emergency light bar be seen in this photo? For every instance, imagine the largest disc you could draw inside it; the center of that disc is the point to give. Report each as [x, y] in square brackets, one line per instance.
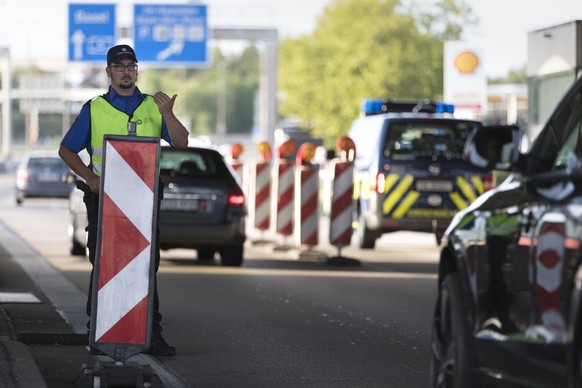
[376, 106]
[442, 107]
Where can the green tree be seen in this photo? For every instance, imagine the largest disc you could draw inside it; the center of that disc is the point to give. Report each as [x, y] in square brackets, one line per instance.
[242, 85]
[199, 90]
[515, 76]
[365, 49]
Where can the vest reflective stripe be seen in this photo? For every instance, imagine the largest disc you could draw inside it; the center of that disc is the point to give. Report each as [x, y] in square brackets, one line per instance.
[107, 120]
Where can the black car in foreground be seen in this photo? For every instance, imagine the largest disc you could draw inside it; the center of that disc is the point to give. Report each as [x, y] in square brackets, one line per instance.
[203, 206]
[508, 310]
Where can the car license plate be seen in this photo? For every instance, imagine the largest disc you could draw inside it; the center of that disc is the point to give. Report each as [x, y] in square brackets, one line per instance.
[434, 185]
[49, 177]
[184, 204]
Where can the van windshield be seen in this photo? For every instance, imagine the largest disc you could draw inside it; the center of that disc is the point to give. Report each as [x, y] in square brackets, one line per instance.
[410, 140]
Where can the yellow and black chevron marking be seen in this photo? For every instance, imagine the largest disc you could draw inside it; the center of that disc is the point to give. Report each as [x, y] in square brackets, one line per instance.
[398, 191]
[466, 191]
[401, 197]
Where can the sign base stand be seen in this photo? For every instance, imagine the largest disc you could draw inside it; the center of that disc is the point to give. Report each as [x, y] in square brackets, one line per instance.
[116, 374]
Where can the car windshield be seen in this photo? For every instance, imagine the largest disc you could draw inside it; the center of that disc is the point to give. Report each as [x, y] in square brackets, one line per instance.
[187, 163]
[409, 140]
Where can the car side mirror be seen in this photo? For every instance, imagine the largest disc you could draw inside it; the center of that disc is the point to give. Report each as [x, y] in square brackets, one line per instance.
[494, 147]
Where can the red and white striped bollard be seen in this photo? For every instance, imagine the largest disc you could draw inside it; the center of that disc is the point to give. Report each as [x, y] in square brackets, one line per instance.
[341, 214]
[307, 200]
[284, 183]
[260, 184]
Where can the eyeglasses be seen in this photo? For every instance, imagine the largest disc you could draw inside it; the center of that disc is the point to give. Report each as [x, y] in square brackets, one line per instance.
[120, 68]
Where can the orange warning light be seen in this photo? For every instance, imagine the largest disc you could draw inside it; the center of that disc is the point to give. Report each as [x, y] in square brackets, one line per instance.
[286, 149]
[264, 150]
[305, 154]
[236, 150]
[346, 148]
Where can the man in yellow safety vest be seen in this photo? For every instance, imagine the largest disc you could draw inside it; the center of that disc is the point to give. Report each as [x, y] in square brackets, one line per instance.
[110, 114]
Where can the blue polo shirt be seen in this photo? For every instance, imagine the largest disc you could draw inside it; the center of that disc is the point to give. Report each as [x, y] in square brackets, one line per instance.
[78, 137]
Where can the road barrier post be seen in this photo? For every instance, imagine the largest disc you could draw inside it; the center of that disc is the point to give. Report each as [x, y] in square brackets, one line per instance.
[306, 227]
[342, 202]
[236, 151]
[283, 187]
[260, 190]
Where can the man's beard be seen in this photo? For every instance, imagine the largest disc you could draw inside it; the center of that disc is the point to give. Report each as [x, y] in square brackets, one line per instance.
[126, 86]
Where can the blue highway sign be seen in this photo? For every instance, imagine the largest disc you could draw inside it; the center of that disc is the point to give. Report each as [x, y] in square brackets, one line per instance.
[91, 31]
[167, 35]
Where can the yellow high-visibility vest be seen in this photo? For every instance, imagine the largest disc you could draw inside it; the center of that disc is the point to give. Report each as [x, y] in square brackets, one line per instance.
[107, 120]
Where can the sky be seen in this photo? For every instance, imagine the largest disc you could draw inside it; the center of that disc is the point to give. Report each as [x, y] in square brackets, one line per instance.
[38, 29]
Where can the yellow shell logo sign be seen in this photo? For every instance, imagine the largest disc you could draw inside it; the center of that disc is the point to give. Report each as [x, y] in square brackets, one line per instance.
[466, 62]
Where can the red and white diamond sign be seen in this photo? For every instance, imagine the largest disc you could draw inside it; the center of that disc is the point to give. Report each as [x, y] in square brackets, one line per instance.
[125, 242]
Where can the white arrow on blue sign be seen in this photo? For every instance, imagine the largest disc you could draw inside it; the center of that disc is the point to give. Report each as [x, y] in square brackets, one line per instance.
[91, 31]
[171, 34]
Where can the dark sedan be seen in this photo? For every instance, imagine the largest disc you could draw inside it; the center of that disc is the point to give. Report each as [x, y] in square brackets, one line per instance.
[203, 206]
[508, 311]
[41, 174]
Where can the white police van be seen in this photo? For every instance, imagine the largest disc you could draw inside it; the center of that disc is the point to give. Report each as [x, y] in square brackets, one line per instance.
[410, 170]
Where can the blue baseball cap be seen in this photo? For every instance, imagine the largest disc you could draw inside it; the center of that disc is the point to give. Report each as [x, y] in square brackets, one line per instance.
[116, 53]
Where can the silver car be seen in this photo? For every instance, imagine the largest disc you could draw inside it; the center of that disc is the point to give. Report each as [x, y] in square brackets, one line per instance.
[41, 174]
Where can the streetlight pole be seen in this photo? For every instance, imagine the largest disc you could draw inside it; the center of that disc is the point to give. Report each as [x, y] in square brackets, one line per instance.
[221, 99]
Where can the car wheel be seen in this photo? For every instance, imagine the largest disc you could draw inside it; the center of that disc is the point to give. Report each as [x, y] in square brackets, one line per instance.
[453, 353]
[205, 254]
[19, 200]
[232, 256]
[366, 239]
